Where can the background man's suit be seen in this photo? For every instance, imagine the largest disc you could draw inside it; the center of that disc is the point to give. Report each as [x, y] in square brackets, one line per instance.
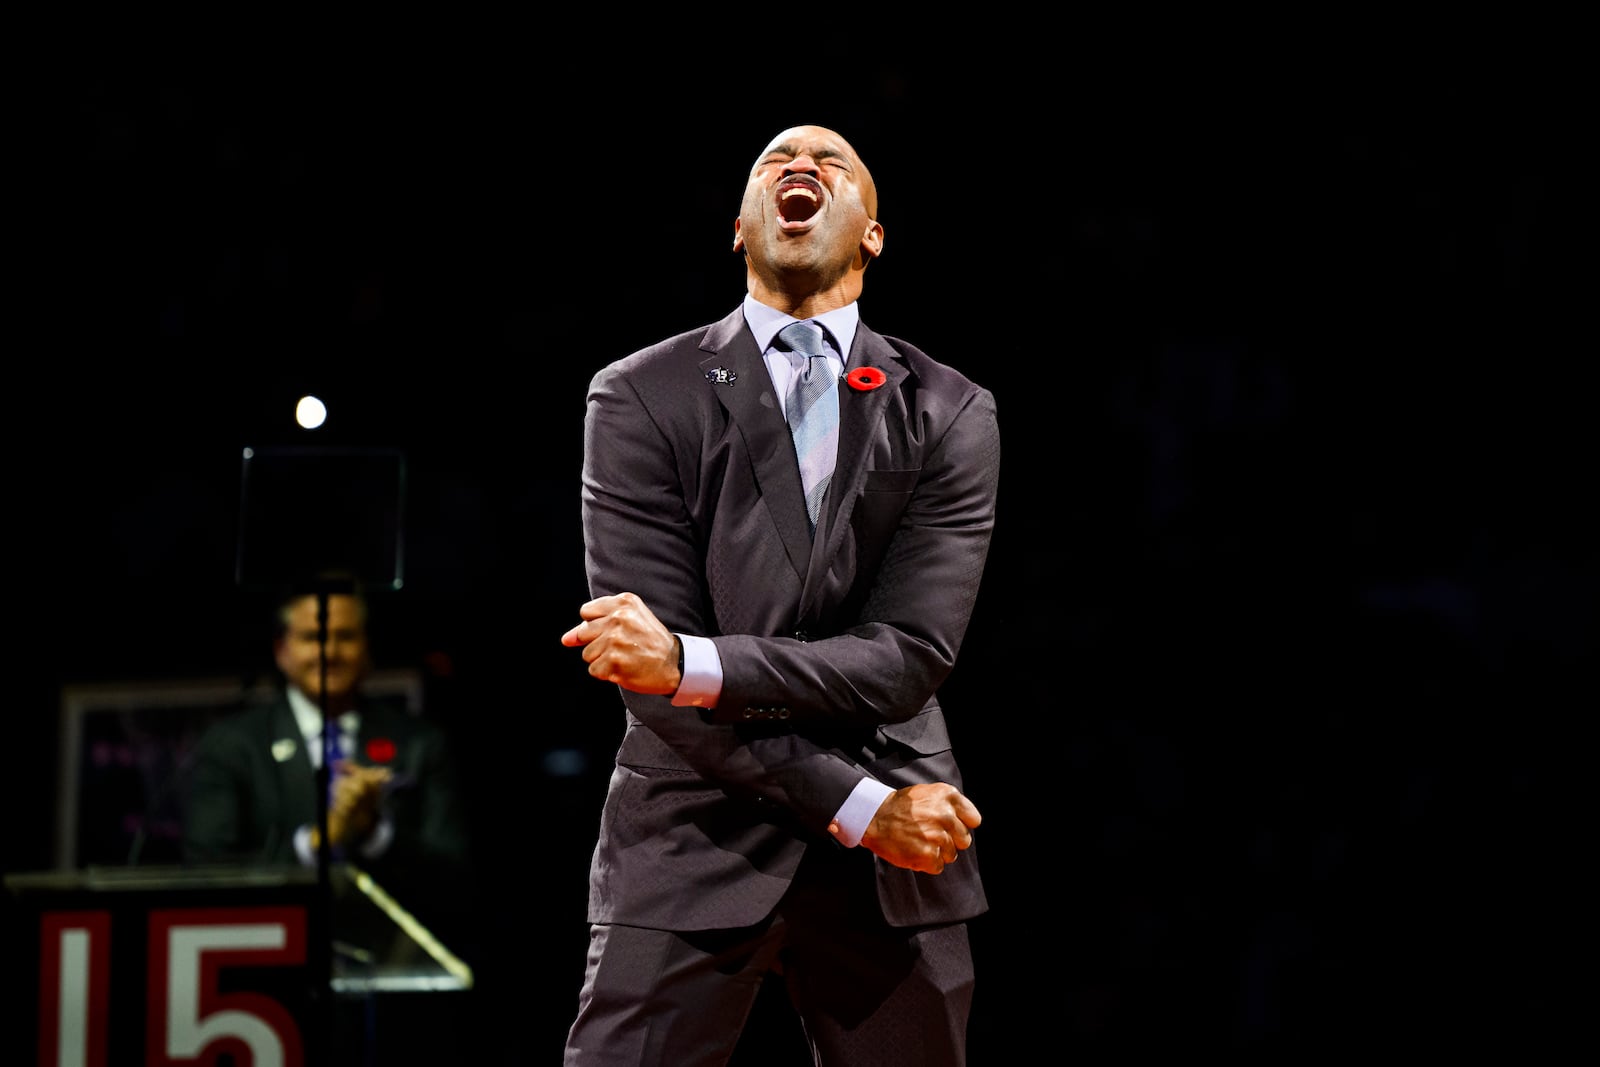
[692, 499]
[253, 785]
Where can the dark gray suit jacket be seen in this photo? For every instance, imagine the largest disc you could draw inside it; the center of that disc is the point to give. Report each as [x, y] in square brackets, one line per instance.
[832, 650]
[245, 802]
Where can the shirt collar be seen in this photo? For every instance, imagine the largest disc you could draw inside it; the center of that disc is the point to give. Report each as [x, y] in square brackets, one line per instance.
[765, 322]
[309, 716]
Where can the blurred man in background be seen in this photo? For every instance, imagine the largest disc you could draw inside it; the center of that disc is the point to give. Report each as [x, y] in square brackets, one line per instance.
[394, 807]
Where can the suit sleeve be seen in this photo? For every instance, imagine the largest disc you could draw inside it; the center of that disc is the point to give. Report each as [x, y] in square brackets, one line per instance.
[903, 638]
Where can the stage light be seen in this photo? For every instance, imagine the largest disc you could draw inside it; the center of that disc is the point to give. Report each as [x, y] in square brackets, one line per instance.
[310, 412]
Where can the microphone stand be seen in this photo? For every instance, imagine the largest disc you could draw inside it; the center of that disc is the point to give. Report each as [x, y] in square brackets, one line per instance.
[324, 770]
[324, 589]
[322, 945]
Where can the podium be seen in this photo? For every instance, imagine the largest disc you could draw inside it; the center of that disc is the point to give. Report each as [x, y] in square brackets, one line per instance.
[221, 966]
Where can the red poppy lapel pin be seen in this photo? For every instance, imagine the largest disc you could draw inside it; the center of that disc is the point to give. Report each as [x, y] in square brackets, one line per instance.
[380, 750]
[865, 379]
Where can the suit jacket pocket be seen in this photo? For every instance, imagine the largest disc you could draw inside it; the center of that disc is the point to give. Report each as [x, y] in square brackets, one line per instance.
[924, 733]
[883, 499]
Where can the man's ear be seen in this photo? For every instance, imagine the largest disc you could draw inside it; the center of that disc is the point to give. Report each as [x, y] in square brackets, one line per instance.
[872, 242]
[738, 238]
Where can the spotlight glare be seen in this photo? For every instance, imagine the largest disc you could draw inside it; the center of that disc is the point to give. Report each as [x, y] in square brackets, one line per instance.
[310, 412]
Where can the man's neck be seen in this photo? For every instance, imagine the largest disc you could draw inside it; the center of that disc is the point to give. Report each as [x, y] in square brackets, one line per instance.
[338, 703]
[805, 303]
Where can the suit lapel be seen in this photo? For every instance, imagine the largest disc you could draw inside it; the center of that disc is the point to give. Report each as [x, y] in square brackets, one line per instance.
[861, 413]
[297, 777]
[741, 383]
[738, 375]
[383, 735]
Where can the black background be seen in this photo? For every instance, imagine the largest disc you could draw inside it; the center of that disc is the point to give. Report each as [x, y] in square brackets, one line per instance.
[1267, 698]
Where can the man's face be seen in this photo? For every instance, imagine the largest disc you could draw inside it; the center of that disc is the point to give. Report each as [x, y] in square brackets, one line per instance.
[299, 654]
[809, 207]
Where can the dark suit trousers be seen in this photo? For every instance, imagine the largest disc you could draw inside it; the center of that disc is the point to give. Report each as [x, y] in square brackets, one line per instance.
[866, 993]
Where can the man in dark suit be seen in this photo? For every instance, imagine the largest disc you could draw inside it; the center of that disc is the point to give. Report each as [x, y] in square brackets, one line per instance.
[785, 797]
[395, 807]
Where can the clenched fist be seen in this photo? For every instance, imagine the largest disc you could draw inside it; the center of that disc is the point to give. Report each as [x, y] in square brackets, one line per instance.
[922, 827]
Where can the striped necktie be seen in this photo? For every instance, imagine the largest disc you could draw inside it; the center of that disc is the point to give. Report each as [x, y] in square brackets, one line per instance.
[812, 409]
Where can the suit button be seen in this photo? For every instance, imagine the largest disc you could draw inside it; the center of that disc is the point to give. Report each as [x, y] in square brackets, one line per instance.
[801, 635]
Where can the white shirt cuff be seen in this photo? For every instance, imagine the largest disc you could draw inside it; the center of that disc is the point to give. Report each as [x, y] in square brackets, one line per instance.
[375, 845]
[702, 674]
[859, 808]
[302, 847]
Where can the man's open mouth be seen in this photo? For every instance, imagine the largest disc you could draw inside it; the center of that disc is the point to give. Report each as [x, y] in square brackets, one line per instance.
[798, 200]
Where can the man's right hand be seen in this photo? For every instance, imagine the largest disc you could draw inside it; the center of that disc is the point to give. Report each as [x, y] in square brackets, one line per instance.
[624, 642]
[922, 827]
